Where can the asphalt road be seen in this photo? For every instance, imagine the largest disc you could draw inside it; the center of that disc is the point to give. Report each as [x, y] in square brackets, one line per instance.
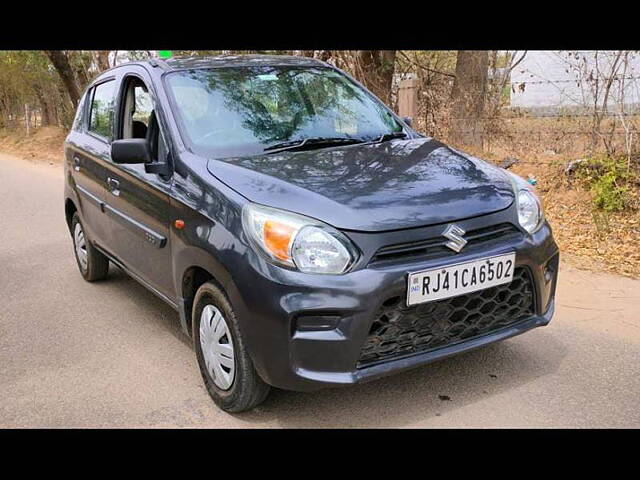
[110, 354]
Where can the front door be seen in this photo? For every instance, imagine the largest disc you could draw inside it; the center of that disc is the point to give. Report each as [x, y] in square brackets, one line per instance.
[136, 201]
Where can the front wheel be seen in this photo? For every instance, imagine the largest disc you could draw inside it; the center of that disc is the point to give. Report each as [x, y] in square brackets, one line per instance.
[227, 370]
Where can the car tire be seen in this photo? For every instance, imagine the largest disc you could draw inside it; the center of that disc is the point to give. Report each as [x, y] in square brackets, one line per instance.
[234, 386]
[92, 264]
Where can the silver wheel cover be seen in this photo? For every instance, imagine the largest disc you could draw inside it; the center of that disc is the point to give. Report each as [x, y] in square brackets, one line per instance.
[80, 246]
[217, 347]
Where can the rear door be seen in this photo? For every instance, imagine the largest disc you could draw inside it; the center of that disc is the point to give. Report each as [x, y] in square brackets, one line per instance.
[89, 151]
[137, 202]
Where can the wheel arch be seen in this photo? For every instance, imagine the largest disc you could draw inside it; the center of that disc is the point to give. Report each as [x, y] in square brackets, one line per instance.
[69, 209]
[194, 267]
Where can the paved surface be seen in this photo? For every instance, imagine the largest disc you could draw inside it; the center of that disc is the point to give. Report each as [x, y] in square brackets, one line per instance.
[74, 354]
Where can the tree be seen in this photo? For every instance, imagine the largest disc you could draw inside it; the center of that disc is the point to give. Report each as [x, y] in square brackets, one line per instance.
[62, 65]
[468, 97]
[102, 59]
[375, 68]
[606, 87]
[81, 62]
[28, 78]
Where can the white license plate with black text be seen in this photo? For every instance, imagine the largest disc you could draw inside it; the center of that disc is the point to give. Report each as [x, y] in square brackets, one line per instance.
[454, 280]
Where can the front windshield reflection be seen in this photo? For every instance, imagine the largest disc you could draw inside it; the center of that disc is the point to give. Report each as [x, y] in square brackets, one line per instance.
[235, 111]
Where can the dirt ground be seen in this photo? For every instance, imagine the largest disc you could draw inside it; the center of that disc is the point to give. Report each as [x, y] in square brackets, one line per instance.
[42, 145]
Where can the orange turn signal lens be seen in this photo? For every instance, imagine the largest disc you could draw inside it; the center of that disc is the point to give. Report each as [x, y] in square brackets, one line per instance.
[277, 237]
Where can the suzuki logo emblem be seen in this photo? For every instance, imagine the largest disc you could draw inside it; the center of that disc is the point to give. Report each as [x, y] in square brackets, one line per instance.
[454, 234]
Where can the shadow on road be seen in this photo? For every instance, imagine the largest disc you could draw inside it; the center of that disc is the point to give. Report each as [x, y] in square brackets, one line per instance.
[167, 317]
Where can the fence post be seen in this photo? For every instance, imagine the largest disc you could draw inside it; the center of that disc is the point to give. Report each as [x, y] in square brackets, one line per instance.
[408, 98]
[26, 116]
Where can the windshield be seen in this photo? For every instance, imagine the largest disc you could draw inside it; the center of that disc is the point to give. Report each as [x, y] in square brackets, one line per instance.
[240, 111]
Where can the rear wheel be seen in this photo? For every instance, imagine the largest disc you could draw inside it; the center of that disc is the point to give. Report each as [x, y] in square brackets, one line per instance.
[225, 365]
[92, 264]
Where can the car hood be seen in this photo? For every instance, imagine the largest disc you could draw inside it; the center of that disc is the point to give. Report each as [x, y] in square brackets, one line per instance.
[371, 187]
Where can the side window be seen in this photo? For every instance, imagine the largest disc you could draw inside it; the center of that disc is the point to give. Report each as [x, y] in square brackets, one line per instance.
[101, 116]
[137, 109]
[78, 119]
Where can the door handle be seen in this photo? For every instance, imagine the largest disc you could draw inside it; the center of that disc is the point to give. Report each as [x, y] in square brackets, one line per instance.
[114, 185]
[76, 164]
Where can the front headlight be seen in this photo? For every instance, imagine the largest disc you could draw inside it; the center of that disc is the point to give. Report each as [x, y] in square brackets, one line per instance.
[530, 214]
[296, 241]
[529, 211]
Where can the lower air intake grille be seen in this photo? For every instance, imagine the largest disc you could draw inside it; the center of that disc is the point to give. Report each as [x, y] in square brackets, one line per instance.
[399, 330]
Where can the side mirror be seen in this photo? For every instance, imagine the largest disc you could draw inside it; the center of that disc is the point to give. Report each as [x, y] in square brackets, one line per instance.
[130, 150]
[408, 121]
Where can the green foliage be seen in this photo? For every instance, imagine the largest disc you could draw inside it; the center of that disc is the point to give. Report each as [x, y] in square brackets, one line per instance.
[608, 178]
[505, 95]
[609, 196]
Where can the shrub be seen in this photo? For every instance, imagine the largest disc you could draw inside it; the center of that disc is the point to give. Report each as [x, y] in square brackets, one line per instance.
[608, 178]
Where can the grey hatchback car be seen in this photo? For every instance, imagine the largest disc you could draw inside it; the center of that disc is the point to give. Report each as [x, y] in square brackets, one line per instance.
[306, 235]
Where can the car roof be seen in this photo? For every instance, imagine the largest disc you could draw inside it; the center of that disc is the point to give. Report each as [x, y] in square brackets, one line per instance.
[188, 63]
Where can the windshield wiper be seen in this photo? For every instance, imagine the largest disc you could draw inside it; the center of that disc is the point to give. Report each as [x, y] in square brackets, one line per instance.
[388, 136]
[320, 141]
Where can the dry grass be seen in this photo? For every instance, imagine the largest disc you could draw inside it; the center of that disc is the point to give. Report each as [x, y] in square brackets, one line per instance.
[594, 240]
[601, 240]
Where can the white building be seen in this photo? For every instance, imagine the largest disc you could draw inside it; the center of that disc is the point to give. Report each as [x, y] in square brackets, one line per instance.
[561, 80]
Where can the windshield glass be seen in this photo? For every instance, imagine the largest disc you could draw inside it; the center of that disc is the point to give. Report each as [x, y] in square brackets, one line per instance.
[239, 111]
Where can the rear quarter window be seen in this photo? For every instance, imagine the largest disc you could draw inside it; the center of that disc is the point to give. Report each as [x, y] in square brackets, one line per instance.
[78, 123]
[101, 113]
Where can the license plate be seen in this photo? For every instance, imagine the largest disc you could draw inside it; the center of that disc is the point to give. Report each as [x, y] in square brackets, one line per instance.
[453, 280]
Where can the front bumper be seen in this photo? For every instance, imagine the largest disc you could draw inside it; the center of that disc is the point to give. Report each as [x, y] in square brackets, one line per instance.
[406, 363]
[277, 309]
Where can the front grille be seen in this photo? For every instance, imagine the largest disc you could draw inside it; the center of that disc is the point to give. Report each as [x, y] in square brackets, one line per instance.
[399, 330]
[436, 247]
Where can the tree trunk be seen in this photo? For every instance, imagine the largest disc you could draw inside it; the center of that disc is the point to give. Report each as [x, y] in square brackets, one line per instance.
[78, 61]
[102, 59]
[44, 101]
[6, 112]
[27, 117]
[45, 118]
[63, 67]
[54, 115]
[468, 97]
[375, 70]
